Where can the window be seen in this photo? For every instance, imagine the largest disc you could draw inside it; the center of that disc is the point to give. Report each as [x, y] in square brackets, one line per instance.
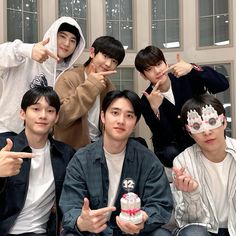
[76, 9]
[224, 97]
[213, 22]
[22, 20]
[119, 21]
[123, 79]
[165, 24]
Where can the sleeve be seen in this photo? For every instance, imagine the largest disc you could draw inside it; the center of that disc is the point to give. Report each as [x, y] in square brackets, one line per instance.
[157, 198]
[212, 80]
[189, 207]
[76, 97]
[14, 53]
[73, 192]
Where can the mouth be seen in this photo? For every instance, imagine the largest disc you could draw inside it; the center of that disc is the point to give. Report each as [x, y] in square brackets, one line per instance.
[119, 129]
[209, 141]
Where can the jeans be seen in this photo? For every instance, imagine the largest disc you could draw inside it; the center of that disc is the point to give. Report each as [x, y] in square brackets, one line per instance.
[198, 230]
[110, 232]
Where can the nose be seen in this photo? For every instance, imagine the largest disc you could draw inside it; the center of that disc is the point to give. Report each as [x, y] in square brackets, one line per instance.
[43, 114]
[67, 42]
[108, 62]
[207, 131]
[121, 119]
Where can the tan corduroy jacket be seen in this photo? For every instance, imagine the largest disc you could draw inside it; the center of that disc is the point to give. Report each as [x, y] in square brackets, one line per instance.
[77, 96]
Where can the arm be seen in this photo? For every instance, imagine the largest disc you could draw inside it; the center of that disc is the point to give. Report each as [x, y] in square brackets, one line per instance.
[214, 81]
[14, 53]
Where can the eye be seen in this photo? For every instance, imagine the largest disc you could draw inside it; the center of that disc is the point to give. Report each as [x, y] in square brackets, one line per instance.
[148, 69]
[196, 126]
[212, 121]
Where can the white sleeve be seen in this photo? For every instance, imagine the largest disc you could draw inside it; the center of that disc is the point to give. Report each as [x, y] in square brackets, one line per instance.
[14, 53]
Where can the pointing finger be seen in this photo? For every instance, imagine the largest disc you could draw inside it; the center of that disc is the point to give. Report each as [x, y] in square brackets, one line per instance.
[51, 54]
[20, 155]
[108, 72]
[168, 69]
[86, 205]
[156, 86]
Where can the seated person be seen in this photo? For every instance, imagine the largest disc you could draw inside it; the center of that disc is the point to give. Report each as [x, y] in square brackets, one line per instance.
[204, 174]
[93, 187]
[29, 200]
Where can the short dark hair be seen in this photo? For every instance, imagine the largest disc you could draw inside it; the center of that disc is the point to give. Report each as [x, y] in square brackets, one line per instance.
[197, 102]
[147, 57]
[109, 46]
[33, 95]
[128, 94]
[72, 29]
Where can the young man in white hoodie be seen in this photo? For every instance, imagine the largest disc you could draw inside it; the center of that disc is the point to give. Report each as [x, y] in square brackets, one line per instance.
[21, 63]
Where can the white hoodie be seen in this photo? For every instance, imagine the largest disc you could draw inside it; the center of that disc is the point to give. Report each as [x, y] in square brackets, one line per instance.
[18, 70]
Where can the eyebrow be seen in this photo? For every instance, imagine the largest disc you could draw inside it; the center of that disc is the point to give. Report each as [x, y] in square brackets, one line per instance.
[119, 109]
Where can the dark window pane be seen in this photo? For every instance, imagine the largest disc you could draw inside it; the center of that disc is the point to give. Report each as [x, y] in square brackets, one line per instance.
[206, 31]
[221, 7]
[30, 28]
[14, 31]
[222, 29]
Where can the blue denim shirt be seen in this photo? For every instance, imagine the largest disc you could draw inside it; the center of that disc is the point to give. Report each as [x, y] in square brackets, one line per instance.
[87, 176]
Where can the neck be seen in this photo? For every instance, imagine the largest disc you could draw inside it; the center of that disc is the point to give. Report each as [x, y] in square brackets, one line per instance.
[113, 146]
[217, 155]
[36, 141]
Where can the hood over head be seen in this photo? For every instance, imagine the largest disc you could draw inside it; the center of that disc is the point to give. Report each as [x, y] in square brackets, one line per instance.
[52, 35]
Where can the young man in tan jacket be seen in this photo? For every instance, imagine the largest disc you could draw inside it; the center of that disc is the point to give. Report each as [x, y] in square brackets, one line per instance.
[81, 91]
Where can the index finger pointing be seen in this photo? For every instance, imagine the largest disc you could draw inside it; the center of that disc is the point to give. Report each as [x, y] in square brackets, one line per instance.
[108, 72]
[20, 155]
[104, 210]
[51, 54]
[168, 69]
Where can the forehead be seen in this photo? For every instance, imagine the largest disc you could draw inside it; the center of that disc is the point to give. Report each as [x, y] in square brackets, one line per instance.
[41, 101]
[68, 34]
[122, 104]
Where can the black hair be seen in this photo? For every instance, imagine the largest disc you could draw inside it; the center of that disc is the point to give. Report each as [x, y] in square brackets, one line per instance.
[147, 57]
[72, 29]
[110, 46]
[40, 89]
[128, 94]
[197, 102]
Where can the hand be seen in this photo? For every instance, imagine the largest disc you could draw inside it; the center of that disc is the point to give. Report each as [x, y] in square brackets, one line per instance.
[130, 228]
[93, 221]
[181, 68]
[100, 76]
[183, 181]
[40, 53]
[155, 98]
[10, 162]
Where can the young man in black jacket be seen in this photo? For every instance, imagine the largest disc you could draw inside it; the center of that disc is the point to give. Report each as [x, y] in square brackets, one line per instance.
[29, 199]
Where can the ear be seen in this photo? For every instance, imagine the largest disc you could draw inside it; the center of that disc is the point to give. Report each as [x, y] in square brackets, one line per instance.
[102, 117]
[56, 118]
[92, 52]
[224, 122]
[22, 114]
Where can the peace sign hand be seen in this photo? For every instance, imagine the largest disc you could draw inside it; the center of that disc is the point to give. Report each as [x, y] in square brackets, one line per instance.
[155, 98]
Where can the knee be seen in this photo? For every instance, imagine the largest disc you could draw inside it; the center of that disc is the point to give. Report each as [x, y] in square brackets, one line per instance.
[193, 230]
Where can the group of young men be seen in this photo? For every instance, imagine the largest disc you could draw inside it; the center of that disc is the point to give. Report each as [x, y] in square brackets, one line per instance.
[48, 189]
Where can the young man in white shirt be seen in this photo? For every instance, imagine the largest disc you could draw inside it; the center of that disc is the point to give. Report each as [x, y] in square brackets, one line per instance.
[29, 199]
[204, 174]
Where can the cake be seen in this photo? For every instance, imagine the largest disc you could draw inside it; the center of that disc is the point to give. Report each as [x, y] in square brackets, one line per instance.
[130, 208]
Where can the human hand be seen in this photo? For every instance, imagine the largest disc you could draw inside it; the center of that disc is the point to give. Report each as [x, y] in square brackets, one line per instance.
[180, 68]
[183, 181]
[93, 221]
[10, 162]
[40, 53]
[155, 98]
[130, 228]
[100, 76]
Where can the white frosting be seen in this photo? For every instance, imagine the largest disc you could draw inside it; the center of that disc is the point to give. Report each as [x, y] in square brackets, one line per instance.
[130, 208]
